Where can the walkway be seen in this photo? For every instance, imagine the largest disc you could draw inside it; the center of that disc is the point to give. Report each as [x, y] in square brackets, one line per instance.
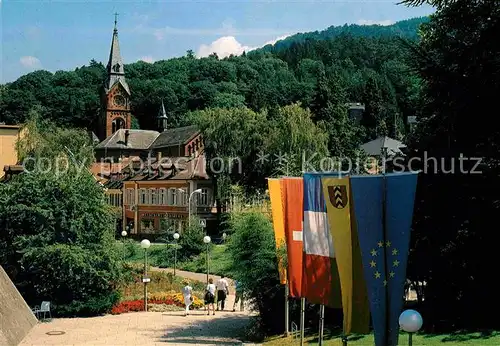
[146, 328]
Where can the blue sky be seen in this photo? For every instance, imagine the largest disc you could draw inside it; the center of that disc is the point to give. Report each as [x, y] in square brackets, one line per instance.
[61, 35]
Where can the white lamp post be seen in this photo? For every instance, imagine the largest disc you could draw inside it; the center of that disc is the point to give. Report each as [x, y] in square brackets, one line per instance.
[176, 238]
[124, 234]
[145, 244]
[189, 204]
[207, 240]
[410, 321]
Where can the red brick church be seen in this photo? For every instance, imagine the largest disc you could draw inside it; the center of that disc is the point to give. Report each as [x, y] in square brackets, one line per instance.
[150, 175]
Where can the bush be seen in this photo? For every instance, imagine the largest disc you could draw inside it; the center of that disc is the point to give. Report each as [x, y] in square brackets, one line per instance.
[131, 249]
[77, 281]
[253, 246]
[191, 242]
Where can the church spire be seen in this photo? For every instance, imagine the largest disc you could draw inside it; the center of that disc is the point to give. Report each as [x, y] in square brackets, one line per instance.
[162, 118]
[116, 72]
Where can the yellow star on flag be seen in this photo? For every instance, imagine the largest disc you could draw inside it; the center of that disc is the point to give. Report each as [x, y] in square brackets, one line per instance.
[395, 252]
[391, 274]
[373, 264]
[377, 275]
[380, 244]
[388, 243]
[385, 282]
[395, 263]
[374, 252]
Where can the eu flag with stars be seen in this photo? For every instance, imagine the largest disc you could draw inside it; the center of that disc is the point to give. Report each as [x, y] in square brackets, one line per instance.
[368, 198]
[383, 208]
[400, 198]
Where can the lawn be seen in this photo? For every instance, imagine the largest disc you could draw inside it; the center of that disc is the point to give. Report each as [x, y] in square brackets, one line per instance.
[219, 262]
[491, 338]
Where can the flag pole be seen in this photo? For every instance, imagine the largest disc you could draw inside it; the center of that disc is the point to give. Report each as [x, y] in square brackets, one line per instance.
[302, 318]
[287, 324]
[384, 228]
[321, 323]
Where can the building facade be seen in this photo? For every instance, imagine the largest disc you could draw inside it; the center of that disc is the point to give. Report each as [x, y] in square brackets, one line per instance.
[9, 135]
[154, 179]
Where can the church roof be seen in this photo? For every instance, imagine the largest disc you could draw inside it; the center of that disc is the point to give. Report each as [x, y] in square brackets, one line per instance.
[177, 136]
[137, 139]
[115, 67]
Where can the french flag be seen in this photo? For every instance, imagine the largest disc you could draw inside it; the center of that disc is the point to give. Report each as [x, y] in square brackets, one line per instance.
[320, 278]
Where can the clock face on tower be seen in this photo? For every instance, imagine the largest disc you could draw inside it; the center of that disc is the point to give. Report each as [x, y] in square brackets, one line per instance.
[119, 100]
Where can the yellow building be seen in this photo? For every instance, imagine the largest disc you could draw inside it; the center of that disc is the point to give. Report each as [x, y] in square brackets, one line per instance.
[9, 134]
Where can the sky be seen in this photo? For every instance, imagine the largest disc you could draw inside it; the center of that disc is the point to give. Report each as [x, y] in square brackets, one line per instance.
[62, 35]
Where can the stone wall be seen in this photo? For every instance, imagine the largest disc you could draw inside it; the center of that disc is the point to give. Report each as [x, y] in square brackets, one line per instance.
[16, 318]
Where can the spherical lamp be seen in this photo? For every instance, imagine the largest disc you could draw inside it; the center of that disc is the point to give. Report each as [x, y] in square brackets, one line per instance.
[410, 321]
[145, 244]
[176, 236]
[206, 239]
[124, 233]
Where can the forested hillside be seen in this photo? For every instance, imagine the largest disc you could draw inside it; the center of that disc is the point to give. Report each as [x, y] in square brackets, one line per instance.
[406, 28]
[355, 68]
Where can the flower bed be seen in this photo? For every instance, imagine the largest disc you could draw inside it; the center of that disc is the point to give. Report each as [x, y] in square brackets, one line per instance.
[166, 298]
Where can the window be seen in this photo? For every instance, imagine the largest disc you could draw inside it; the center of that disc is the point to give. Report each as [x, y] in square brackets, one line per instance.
[142, 196]
[173, 197]
[154, 196]
[162, 196]
[130, 197]
[203, 197]
[183, 196]
[147, 225]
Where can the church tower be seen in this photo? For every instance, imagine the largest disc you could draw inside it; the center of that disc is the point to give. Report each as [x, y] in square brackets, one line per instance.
[115, 102]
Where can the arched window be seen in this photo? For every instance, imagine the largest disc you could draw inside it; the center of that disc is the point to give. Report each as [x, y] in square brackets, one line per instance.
[117, 124]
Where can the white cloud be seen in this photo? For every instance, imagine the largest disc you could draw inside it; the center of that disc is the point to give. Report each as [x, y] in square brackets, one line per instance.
[148, 59]
[227, 45]
[30, 62]
[375, 22]
[224, 47]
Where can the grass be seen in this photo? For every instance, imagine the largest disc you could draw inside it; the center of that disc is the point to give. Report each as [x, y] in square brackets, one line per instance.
[489, 338]
[219, 262]
[132, 252]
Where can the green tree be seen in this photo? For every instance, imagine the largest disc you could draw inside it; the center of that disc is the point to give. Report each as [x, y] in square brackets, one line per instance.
[252, 245]
[458, 62]
[57, 230]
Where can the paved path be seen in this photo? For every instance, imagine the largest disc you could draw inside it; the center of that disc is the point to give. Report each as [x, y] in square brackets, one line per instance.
[192, 276]
[145, 328]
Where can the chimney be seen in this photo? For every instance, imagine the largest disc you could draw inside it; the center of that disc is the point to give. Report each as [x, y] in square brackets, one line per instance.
[127, 133]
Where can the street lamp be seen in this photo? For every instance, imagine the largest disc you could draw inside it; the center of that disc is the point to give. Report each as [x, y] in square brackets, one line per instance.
[145, 244]
[189, 204]
[124, 234]
[207, 240]
[224, 236]
[410, 321]
[176, 237]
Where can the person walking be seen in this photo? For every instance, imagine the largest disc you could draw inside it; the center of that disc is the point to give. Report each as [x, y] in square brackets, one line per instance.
[222, 292]
[187, 292]
[239, 296]
[210, 296]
